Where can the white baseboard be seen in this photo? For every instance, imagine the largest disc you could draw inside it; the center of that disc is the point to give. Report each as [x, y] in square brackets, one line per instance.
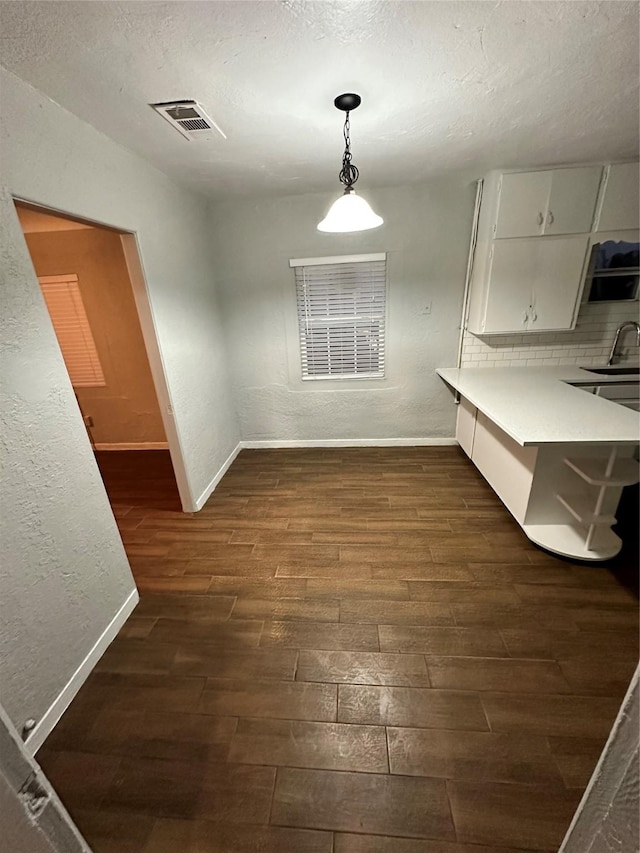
[63, 700]
[204, 497]
[352, 442]
[330, 442]
[132, 445]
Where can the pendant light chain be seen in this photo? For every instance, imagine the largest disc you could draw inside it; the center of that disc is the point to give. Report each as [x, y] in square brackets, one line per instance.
[350, 212]
[349, 173]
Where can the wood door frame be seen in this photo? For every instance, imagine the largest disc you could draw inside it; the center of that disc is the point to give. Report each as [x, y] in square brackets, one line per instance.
[144, 310]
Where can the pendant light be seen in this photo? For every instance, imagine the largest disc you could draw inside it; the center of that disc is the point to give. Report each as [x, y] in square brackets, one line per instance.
[350, 212]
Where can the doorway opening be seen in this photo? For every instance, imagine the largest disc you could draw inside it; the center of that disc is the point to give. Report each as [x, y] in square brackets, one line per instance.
[93, 284]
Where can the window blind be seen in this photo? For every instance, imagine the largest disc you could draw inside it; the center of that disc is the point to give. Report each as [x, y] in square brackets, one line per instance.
[69, 318]
[341, 317]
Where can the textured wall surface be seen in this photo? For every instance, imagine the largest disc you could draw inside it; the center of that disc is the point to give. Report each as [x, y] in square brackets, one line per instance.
[126, 408]
[426, 235]
[64, 573]
[607, 819]
[52, 158]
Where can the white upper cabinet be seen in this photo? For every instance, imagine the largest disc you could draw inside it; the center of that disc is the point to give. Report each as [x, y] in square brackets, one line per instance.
[533, 236]
[620, 202]
[522, 204]
[510, 286]
[532, 285]
[557, 277]
[555, 201]
[572, 201]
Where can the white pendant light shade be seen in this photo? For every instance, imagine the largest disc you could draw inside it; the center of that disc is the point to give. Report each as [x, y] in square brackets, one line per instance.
[350, 213]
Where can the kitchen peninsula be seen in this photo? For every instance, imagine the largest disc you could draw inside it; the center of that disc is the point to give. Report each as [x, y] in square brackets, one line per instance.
[556, 456]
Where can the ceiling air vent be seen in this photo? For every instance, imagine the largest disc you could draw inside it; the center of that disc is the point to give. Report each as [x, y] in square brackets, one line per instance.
[188, 118]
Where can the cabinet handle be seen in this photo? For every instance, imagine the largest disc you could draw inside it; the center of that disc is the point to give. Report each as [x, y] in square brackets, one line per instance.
[550, 218]
[540, 218]
[525, 316]
[534, 316]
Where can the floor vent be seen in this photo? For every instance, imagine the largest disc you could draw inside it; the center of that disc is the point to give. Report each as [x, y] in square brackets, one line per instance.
[188, 118]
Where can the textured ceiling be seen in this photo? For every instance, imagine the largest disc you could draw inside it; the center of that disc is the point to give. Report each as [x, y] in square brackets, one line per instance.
[444, 85]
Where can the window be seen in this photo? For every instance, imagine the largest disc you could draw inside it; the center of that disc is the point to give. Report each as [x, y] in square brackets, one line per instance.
[64, 302]
[614, 271]
[341, 316]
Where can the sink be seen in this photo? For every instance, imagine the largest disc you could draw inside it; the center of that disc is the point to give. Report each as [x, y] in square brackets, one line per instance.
[624, 392]
[613, 370]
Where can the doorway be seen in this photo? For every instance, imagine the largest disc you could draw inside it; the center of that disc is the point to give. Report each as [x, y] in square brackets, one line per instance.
[92, 281]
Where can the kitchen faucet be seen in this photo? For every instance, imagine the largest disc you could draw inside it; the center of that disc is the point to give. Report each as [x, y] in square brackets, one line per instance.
[613, 353]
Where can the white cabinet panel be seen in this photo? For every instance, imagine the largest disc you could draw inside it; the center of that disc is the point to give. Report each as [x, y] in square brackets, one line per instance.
[506, 466]
[572, 201]
[556, 282]
[557, 201]
[510, 290]
[522, 205]
[466, 425]
[620, 204]
[534, 285]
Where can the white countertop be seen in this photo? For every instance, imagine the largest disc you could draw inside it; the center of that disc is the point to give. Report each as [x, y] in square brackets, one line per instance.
[534, 405]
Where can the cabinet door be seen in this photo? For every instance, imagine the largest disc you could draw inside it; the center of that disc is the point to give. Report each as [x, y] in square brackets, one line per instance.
[572, 201]
[557, 282]
[620, 203]
[466, 425]
[510, 289]
[523, 202]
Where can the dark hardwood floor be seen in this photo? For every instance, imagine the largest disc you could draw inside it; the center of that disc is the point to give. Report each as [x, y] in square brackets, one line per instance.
[345, 651]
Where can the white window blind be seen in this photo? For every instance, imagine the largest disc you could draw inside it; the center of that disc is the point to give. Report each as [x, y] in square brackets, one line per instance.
[66, 309]
[341, 316]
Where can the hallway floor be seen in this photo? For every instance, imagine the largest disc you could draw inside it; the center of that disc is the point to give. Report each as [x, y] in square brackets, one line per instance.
[345, 651]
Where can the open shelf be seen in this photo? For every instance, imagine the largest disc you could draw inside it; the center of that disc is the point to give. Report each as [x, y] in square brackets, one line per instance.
[615, 272]
[625, 472]
[564, 539]
[581, 508]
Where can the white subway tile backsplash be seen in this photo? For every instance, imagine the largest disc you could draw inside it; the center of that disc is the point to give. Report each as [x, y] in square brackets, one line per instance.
[588, 344]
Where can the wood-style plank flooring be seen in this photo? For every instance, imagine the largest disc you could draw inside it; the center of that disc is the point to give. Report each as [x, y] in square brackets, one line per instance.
[345, 651]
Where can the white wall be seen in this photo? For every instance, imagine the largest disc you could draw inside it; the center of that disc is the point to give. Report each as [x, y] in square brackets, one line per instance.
[426, 235]
[53, 158]
[64, 573]
[607, 819]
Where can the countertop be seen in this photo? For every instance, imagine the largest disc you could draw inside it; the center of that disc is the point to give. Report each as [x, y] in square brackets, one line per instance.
[534, 405]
